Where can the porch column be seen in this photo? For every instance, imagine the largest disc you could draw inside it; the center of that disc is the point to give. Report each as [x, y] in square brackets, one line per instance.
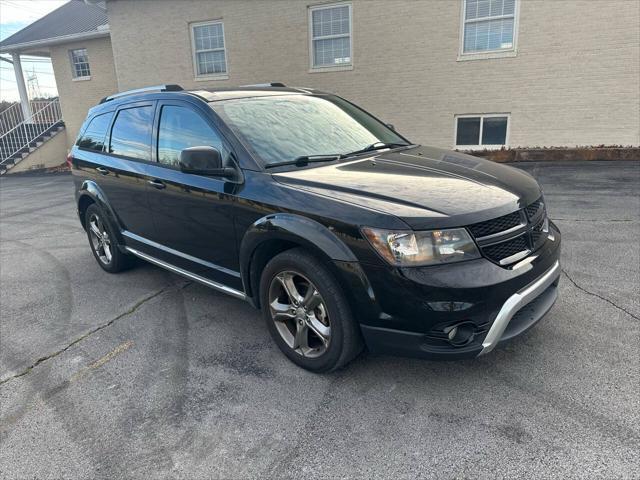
[22, 88]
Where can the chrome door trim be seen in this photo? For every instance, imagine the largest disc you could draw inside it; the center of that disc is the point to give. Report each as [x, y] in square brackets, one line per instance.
[514, 303]
[177, 253]
[192, 276]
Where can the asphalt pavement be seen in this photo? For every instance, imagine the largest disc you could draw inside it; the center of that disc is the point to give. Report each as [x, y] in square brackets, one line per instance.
[144, 374]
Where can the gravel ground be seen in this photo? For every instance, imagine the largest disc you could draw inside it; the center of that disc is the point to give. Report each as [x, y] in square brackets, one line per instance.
[144, 374]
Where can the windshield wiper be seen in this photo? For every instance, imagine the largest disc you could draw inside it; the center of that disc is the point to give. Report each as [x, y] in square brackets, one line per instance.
[305, 160]
[375, 146]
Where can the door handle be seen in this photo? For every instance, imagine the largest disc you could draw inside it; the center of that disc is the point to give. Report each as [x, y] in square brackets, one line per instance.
[157, 184]
[102, 171]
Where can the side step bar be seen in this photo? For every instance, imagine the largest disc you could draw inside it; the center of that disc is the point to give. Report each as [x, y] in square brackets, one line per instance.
[192, 276]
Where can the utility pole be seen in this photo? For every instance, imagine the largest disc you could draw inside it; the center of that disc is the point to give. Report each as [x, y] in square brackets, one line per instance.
[33, 85]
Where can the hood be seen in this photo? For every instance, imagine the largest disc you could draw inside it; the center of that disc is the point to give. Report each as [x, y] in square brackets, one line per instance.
[426, 187]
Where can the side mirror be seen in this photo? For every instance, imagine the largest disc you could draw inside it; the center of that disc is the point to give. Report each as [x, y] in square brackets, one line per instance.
[391, 127]
[204, 161]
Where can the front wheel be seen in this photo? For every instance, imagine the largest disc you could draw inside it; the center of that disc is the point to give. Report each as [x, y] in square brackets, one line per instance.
[307, 313]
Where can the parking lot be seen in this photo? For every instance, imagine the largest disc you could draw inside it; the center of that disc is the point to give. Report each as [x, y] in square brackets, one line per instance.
[147, 374]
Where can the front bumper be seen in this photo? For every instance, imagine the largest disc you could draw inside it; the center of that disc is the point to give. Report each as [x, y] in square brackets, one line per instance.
[497, 303]
[540, 295]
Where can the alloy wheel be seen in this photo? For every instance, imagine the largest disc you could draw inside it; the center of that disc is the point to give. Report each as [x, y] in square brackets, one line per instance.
[299, 314]
[100, 239]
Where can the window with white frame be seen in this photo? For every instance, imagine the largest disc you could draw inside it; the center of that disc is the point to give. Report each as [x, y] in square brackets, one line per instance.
[488, 25]
[209, 53]
[330, 27]
[482, 130]
[80, 63]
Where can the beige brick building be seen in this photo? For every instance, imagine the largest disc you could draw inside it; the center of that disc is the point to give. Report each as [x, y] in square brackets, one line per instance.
[77, 95]
[521, 73]
[571, 78]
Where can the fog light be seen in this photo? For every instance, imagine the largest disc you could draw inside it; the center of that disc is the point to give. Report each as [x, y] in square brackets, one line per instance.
[452, 333]
[461, 334]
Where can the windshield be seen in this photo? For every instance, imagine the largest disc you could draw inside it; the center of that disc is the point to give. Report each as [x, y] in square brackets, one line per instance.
[282, 128]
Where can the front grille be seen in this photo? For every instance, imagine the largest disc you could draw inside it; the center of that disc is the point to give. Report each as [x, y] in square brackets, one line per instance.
[496, 225]
[533, 209]
[503, 250]
[500, 238]
[536, 236]
[538, 231]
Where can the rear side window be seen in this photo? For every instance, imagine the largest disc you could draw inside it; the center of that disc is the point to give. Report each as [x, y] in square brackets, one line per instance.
[93, 136]
[181, 128]
[131, 133]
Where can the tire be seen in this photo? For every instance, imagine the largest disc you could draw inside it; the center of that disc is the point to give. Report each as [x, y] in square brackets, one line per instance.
[103, 243]
[316, 332]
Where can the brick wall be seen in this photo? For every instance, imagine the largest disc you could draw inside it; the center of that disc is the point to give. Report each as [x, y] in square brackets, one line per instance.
[574, 80]
[77, 96]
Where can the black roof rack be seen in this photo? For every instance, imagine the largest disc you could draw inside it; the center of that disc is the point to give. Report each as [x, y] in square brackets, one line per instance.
[155, 88]
[271, 84]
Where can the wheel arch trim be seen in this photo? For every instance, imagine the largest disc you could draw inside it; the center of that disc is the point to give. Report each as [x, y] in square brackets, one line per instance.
[292, 228]
[91, 189]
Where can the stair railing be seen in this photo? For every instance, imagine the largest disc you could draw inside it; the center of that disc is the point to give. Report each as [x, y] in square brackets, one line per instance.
[10, 117]
[24, 134]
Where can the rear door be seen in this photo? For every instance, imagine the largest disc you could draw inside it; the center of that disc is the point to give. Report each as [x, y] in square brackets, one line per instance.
[117, 161]
[193, 214]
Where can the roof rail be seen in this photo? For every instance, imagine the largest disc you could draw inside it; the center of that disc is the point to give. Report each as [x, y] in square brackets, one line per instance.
[272, 84]
[156, 88]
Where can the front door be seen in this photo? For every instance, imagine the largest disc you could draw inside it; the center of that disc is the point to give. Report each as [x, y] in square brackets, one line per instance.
[193, 214]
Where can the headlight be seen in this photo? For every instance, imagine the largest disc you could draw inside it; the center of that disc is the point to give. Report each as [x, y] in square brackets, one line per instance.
[412, 249]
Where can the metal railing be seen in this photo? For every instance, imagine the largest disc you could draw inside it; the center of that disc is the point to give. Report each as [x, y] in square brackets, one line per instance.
[23, 135]
[10, 117]
[13, 116]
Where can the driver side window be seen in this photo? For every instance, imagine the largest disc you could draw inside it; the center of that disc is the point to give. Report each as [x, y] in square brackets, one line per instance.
[180, 128]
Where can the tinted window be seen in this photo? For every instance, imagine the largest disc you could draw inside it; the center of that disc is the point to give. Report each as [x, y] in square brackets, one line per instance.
[93, 136]
[131, 133]
[482, 130]
[181, 128]
[281, 128]
[494, 131]
[468, 131]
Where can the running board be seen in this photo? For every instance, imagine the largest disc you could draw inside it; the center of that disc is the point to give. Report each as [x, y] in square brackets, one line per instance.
[192, 276]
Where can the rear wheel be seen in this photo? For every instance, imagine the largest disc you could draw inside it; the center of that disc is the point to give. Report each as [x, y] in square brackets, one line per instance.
[307, 313]
[102, 241]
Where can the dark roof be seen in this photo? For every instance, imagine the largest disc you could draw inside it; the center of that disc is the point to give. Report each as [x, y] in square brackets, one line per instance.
[208, 95]
[73, 18]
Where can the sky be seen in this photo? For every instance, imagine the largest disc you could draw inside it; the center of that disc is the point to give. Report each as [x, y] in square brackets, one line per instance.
[14, 16]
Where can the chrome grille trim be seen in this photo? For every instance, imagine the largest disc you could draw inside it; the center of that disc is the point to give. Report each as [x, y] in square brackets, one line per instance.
[525, 236]
[515, 257]
[502, 236]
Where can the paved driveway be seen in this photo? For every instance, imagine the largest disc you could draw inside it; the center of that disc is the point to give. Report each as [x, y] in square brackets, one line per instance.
[146, 374]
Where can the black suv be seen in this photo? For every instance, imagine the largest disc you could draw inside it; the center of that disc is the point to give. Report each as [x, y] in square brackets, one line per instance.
[338, 228]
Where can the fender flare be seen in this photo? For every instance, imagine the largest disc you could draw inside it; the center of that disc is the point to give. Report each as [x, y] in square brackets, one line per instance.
[89, 188]
[293, 228]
